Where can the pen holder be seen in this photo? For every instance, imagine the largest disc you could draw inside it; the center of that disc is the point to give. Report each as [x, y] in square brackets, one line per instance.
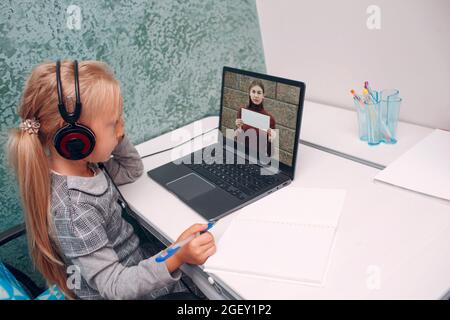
[368, 120]
[378, 117]
[389, 110]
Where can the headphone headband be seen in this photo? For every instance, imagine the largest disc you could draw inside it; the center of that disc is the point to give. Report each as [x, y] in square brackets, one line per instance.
[68, 117]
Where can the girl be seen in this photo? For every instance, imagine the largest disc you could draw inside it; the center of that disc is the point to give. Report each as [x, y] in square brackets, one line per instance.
[72, 214]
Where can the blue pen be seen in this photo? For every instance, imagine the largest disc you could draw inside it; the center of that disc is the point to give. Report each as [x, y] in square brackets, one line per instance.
[170, 251]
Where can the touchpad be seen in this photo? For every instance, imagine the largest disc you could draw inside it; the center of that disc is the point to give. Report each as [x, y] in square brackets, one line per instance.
[190, 186]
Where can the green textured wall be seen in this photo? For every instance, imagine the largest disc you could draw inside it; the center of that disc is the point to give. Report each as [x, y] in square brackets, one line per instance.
[167, 54]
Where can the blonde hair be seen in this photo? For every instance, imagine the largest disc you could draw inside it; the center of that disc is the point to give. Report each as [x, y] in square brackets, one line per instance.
[100, 96]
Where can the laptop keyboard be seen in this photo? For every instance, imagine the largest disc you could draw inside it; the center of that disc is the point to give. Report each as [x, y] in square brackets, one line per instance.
[240, 180]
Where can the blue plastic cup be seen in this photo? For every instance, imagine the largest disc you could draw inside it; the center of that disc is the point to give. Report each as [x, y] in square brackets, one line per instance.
[389, 111]
[373, 122]
[362, 119]
[368, 118]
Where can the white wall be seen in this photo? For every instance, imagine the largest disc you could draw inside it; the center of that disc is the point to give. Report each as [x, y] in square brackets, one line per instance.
[327, 45]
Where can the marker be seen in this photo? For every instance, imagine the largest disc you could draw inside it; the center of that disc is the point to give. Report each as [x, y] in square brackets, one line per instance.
[366, 86]
[170, 251]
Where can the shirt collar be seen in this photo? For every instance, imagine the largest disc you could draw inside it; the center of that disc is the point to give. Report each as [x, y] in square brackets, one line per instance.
[93, 185]
[96, 185]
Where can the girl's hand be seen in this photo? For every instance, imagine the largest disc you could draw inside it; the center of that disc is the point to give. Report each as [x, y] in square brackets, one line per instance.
[239, 123]
[197, 250]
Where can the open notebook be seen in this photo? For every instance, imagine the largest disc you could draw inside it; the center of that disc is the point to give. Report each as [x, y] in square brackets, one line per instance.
[286, 236]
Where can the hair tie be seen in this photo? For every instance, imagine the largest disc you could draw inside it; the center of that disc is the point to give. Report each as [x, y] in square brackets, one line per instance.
[30, 125]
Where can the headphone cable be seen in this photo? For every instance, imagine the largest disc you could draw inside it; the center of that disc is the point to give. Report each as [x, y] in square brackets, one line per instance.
[178, 145]
[102, 166]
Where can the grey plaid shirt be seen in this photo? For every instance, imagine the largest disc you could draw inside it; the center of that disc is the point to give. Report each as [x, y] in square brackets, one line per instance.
[90, 233]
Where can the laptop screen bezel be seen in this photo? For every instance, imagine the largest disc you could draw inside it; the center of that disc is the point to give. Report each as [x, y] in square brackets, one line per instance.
[287, 170]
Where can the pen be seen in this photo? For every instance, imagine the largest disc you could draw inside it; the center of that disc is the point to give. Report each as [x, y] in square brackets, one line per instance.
[171, 250]
[366, 86]
[372, 114]
[370, 101]
[357, 98]
[367, 97]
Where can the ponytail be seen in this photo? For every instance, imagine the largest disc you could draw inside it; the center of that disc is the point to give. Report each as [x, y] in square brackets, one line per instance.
[29, 161]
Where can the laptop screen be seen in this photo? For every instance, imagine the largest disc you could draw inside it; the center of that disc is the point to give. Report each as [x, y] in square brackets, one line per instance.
[262, 114]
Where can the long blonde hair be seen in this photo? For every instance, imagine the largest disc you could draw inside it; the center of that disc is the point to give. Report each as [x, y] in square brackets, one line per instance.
[100, 95]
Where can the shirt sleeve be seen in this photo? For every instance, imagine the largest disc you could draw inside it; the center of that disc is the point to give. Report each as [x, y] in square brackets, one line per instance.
[272, 122]
[125, 165]
[103, 271]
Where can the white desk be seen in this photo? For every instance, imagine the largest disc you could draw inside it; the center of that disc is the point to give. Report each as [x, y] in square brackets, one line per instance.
[400, 235]
[337, 129]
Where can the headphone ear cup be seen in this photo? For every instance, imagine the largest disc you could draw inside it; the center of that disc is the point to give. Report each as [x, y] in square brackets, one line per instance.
[74, 141]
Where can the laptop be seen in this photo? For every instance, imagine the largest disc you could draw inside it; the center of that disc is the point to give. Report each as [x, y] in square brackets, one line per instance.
[255, 154]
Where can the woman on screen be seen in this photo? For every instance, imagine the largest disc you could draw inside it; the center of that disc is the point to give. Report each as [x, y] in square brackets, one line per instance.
[256, 104]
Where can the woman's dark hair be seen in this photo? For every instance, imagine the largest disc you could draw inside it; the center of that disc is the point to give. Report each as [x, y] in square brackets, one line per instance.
[256, 83]
[253, 84]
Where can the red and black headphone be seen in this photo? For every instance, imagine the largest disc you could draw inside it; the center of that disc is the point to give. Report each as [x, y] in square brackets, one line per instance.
[73, 141]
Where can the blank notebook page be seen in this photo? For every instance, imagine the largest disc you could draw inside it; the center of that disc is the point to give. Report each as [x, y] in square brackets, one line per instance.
[286, 236]
[425, 168]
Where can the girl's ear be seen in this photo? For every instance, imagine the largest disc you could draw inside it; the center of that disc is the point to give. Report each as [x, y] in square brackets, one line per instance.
[120, 129]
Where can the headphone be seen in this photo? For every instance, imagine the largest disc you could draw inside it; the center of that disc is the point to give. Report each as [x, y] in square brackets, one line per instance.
[73, 141]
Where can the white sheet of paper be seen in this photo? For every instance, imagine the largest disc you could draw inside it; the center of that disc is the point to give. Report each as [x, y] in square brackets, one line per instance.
[425, 168]
[286, 236]
[255, 119]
